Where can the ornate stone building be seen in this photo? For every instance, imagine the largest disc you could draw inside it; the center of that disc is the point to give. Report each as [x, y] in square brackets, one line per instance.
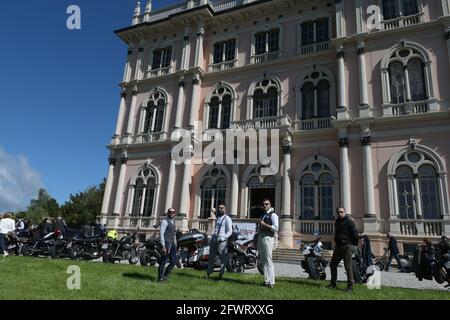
[359, 90]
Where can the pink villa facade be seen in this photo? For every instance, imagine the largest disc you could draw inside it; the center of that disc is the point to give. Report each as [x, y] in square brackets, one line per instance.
[362, 109]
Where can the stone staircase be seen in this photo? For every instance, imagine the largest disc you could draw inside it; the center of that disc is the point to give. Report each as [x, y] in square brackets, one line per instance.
[293, 255]
[287, 255]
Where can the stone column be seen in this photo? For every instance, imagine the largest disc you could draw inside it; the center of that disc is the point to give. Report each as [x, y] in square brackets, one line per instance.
[340, 19]
[345, 174]
[370, 220]
[120, 118]
[369, 202]
[140, 58]
[342, 87]
[170, 185]
[285, 229]
[120, 188]
[195, 100]
[127, 72]
[131, 118]
[364, 108]
[198, 62]
[183, 215]
[180, 105]
[186, 51]
[234, 190]
[108, 187]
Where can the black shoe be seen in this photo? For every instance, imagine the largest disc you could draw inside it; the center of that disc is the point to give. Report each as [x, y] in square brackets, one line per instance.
[349, 288]
[161, 280]
[331, 286]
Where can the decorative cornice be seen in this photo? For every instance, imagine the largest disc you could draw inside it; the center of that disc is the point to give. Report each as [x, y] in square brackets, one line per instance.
[123, 160]
[447, 34]
[112, 161]
[287, 149]
[340, 54]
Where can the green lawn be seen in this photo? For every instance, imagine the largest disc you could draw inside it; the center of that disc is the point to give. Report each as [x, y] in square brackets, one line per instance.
[41, 278]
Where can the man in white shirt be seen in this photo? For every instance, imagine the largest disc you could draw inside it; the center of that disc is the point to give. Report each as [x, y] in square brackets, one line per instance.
[7, 225]
[219, 240]
[266, 242]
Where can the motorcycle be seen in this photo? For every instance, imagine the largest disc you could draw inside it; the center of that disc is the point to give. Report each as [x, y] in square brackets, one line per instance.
[45, 246]
[359, 268]
[194, 248]
[149, 251]
[404, 259]
[86, 248]
[15, 242]
[314, 263]
[241, 256]
[432, 263]
[118, 250]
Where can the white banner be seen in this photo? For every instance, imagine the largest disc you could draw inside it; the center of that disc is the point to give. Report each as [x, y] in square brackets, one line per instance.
[245, 230]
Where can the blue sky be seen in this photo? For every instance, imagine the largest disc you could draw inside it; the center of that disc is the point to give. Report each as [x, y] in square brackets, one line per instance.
[59, 95]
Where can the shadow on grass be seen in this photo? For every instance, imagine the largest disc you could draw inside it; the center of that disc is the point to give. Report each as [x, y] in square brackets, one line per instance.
[225, 279]
[139, 276]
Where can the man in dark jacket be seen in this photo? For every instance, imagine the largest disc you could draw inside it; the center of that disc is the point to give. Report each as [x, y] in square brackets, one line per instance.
[346, 235]
[393, 253]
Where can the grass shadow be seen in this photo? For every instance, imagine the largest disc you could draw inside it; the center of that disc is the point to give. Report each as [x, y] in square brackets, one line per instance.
[215, 278]
[138, 276]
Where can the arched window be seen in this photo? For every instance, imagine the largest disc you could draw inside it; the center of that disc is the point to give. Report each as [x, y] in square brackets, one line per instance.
[219, 109]
[213, 191]
[153, 113]
[316, 98]
[318, 189]
[429, 192]
[307, 100]
[260, 187]
[416, 189]
[265, 99]
[307, 191]
[145, 186]
[397, 8]
[406, 77]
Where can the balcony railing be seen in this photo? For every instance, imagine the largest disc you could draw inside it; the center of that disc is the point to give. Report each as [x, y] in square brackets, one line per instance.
[402, 21]
[150, 137]
[131, 222]
[222, 65]
[411, 107]
[213, 134]
[313, 47]
[159, 72]
[268, 56]
[282, 121]
[310, 227]
[311, 124]
[199, 224]
[422, 227]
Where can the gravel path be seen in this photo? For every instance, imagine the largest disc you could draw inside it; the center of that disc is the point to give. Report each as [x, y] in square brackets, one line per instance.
[391, 278]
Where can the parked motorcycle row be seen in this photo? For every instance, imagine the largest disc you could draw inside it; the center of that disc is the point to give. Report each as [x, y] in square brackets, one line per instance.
[193, 249]
[428, 263]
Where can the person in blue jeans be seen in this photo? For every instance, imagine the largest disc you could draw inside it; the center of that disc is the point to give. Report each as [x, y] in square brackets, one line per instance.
[167, 236]
[393, 253]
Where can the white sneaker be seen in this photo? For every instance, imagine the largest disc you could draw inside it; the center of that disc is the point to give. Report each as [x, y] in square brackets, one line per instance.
[5, 254]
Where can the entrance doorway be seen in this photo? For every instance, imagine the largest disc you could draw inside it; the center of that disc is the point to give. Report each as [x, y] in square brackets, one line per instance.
[257, 195]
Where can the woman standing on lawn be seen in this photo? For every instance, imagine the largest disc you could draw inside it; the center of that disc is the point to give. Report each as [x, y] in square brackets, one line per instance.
[268, 230]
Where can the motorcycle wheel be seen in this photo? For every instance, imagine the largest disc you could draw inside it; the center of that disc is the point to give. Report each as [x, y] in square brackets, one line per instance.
[234, 264]
[439, 276]
[75, 252]
[356, 272]
[53, 252]
[143, 258]
[134, 258]
[106, 257]
[313, 274]
[26, 250]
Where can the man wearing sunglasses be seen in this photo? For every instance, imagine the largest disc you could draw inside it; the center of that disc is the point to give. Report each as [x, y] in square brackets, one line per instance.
[167, 236]
[267, 232]
[219, 239]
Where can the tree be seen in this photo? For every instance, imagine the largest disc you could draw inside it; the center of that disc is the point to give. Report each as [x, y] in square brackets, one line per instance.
[84, 207]
[43, 206]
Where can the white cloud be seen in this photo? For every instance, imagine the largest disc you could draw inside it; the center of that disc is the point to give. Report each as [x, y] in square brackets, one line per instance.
[18, 182]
